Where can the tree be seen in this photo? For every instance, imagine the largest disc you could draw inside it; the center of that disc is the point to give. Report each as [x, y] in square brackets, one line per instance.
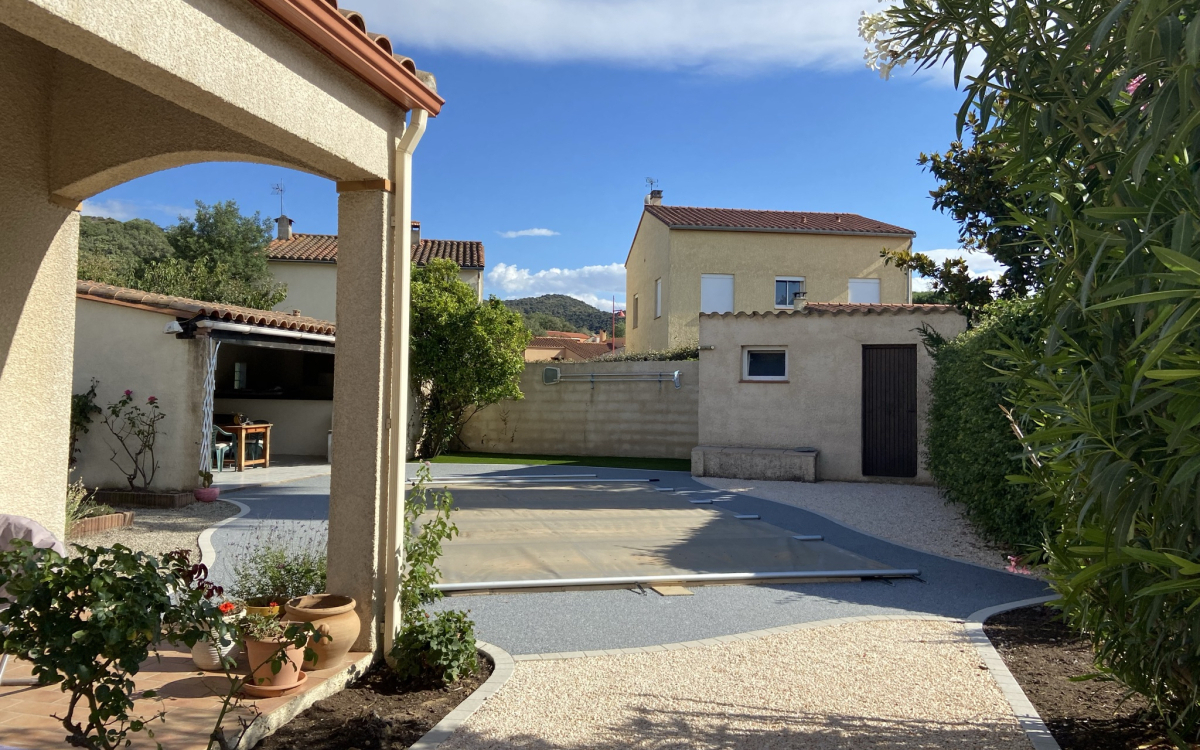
[1093, 106]
[465, 354]
[540, 322]
[218, 256]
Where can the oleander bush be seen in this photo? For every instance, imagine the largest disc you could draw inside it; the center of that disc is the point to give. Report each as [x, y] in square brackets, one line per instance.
[971, 447]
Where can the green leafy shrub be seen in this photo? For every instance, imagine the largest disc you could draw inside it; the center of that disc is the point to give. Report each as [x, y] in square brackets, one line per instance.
[78, 505]
[436, 650]
[83, 409]
[88, 622]
[278, 564]
[971, 448]
[681, 353]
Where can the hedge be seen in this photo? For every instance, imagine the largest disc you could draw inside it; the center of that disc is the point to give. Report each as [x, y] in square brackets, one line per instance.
[971, 447]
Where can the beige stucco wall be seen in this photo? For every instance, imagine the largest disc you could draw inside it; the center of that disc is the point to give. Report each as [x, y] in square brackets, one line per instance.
[826, 262]
[820, 405]
[299, 428]
[125, 348]
[311, 287]
[38, 246]
[570, 418]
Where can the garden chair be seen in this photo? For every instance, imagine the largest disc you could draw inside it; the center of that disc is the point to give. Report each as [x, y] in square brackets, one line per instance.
[19, 527]
[222, 444]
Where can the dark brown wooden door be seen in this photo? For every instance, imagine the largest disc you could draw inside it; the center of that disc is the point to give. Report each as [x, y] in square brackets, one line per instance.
[889, 410]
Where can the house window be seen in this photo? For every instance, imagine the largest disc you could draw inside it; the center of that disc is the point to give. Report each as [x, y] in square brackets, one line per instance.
[658, 298]
[716, 293]
[786, 289]
[633, 313]
[764, 363]
[864, 291]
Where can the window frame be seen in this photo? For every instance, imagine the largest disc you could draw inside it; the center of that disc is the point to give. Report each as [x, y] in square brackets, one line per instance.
[803, 283]
[748, 378]
[878, 290]
[658, 298]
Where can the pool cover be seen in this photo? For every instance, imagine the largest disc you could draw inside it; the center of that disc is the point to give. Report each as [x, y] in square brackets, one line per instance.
[580, 533]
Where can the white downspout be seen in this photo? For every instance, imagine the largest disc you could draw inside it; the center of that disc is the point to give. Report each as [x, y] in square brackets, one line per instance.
[398, 411]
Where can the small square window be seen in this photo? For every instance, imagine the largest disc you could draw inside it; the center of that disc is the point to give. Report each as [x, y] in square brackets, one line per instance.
[765, 363]
[786, 289]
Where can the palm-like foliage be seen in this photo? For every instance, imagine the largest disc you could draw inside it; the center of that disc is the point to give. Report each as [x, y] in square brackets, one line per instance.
[1098, 105]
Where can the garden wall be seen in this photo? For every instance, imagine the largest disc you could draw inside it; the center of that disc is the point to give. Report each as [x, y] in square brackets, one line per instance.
[574, 418]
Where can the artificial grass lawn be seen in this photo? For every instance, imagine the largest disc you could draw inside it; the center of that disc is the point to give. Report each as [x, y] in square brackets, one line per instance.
[608, 462]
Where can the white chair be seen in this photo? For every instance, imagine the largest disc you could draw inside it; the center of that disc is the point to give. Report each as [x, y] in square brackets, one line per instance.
[19, 527]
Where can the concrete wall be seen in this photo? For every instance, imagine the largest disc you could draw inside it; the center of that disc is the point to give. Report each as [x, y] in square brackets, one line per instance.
[643, 419]
[826, 262]
[125, 348]
[300, 428]
[311, 288]
[820, 405]
[38, 246]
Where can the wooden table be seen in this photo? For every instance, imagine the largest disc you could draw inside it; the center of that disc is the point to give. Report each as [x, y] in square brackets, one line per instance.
[240, 432]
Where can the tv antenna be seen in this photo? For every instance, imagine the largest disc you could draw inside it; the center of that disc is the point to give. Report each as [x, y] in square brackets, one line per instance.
[652, 183]
[277, 189]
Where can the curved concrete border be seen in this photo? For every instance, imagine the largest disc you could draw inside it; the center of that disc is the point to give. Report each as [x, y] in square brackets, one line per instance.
[502, 669]
[208, 554]
[1028, 716]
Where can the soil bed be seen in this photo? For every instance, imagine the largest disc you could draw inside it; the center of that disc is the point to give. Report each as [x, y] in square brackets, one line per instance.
[1043, 654]
[375, 713]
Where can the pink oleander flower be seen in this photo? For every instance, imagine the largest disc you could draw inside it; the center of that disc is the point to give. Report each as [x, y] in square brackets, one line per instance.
[1134, 82]
[1014, 566]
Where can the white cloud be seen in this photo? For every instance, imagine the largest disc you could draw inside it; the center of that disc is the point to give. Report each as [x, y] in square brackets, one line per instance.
[115, 208]
[533, 232]
[707, 34]
[595, 285]
[979, 264]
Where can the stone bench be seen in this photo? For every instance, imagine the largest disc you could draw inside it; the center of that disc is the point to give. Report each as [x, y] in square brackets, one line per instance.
[781, 464]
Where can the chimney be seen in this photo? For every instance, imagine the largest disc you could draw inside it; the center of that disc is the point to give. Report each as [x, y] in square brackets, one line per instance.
[603, 335]
[655, 198]
[798, 301]
[285, 228]
[416, 234]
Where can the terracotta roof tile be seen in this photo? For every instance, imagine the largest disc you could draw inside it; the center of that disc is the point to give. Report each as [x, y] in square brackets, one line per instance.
[182, 307]
[322, 248]
[573, 350]
[687, 217]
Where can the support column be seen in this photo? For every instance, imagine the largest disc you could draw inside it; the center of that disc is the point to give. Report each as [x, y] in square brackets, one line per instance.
[358, 486]
[39, 243]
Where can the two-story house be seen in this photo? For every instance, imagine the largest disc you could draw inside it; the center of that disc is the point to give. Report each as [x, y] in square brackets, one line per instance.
[685, 261]
[307, 263]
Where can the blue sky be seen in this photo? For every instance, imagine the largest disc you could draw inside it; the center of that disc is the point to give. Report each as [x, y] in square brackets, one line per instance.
[557, 111]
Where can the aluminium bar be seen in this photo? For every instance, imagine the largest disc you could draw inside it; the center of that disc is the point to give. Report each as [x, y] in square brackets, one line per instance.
[681, 578]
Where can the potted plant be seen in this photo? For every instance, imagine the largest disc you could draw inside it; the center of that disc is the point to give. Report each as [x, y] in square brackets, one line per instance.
[335, 620]
[263, 606]
[218, 650]
[206, 493]
[275, 651]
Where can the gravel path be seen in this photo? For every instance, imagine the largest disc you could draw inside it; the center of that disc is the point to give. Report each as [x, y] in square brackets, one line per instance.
[892, 684]
[911, 515]
[160, 530]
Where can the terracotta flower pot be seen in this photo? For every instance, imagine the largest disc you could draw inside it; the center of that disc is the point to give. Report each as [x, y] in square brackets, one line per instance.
[259, 653]
[334, 618]
[206, 494]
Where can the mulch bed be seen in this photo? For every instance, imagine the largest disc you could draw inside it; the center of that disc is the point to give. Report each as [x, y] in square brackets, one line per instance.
[1043, 654]
[376, 713]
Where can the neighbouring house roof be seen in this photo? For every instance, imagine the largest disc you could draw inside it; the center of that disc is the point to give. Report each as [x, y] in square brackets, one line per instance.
[843, 308]
[568, 335]
[740, 219]
[181, 307]
[342, 35]
[572, 349]
[322, 248]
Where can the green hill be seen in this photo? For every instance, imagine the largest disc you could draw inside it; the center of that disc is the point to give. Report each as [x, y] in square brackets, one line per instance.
[579, 314]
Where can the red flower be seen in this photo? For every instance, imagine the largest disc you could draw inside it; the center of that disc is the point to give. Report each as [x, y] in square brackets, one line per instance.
[128, 393]
[274, 604]
[227, 607]
[152, 399]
